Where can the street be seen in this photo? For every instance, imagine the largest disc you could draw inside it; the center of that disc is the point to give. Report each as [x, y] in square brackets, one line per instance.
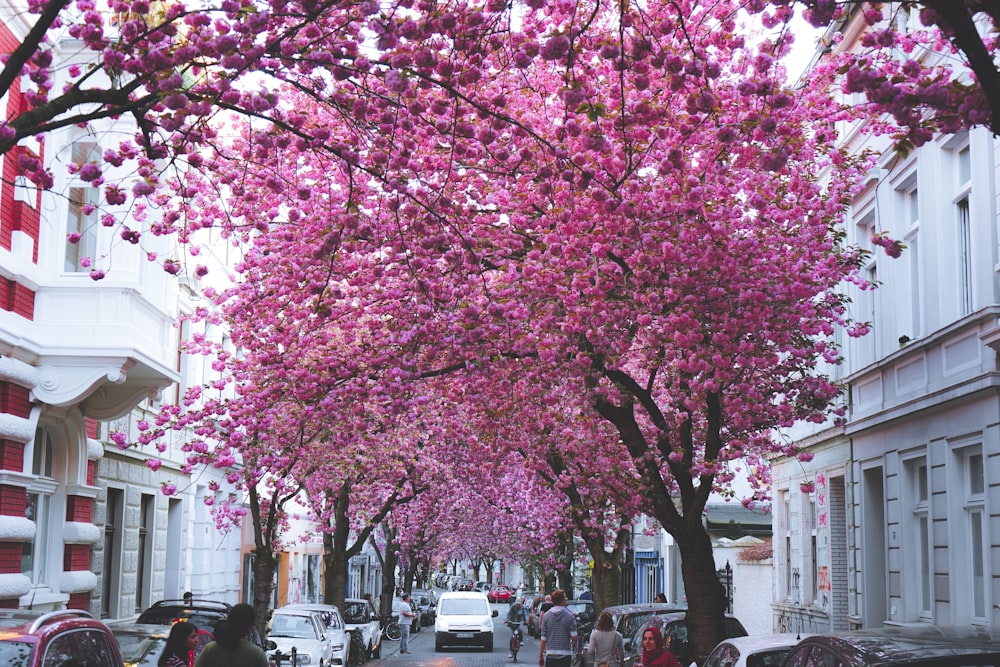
[422, 653]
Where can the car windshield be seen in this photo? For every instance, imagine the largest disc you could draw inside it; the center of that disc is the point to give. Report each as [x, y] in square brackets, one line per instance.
[139, 651]
[463, 607]
[298, 627]
[356, 612]
[577, 607]
[768, 658]
[15, 654]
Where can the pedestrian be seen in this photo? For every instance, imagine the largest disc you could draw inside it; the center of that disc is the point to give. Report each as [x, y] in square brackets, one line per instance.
[558, 634]
[660, 597]
[606, 647]
[654, 653]
[181, 641]
[542, 608]
[188, 598]
[587, 595]
[406, 616]
[230, 647]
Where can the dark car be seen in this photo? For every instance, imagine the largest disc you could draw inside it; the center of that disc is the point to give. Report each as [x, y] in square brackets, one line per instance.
[426, 601]
[673, 626]
[911, 645]
[628, 617]
[204, 614]
[465, 585]
[68, 636]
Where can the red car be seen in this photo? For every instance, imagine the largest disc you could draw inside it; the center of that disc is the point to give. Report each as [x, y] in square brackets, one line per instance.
[70, 636]
[500, 594]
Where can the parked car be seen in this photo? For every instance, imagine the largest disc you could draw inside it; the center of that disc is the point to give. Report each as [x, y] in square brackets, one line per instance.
[204, 614]
[361, 615]
[628, 617]
[338, 636]
[756, 651]
[304, 630]
[464, 585]
[140, 645]
[673, 626]
[924, 645]
[464, 618]
[426, 600]
[499, 593]
[37, 639]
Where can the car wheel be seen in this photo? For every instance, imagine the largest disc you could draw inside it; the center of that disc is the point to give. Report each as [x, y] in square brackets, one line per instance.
[488, 645]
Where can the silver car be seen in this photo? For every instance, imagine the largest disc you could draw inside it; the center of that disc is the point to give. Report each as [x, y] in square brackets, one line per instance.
[316, 631]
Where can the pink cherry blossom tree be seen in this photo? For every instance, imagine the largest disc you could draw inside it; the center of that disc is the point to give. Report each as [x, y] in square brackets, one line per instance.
[930, 64]
[644, 224]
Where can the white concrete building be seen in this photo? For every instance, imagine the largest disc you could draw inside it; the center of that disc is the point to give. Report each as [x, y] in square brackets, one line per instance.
[83, 524]
[895, 519]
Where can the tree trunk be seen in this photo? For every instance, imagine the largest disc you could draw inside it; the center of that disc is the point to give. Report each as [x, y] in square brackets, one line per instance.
[565, 582]
[409, 575]
[264, 567]
[335, 568]
[607, 580]
[706, 596]
[388, 581]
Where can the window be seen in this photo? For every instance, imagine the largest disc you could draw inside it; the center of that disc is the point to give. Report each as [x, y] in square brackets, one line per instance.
[146, 511]
[908, 219]
[313, 592]
[786, 522]
[112, 557]
[82, 215]
[964, 237]
[973, 471]
[813, 554]
[80, 647]
[916, 470]
[867, 304]
[961, 163]
[34, 563]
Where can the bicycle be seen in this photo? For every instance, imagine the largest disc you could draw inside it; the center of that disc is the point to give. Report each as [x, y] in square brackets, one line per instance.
[391, 630]
[516, 639]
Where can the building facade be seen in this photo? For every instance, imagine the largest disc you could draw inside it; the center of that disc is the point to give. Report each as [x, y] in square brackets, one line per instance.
[83, 524]
[894, 520]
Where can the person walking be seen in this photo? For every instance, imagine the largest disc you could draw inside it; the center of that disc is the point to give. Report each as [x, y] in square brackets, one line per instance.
[606, 647]
[558, 634]
[406, 616]
[180, 645]
[230, 648]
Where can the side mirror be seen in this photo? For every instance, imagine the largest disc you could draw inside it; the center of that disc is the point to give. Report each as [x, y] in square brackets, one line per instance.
[495, 613]
[270, 645]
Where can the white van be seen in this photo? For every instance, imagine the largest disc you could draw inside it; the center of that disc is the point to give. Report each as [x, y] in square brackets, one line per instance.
[464, 618]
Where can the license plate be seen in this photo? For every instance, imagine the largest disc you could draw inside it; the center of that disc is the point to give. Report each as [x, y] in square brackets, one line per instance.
[463, 635]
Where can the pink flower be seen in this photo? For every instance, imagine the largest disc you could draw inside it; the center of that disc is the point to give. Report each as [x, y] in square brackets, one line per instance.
[153, 464]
